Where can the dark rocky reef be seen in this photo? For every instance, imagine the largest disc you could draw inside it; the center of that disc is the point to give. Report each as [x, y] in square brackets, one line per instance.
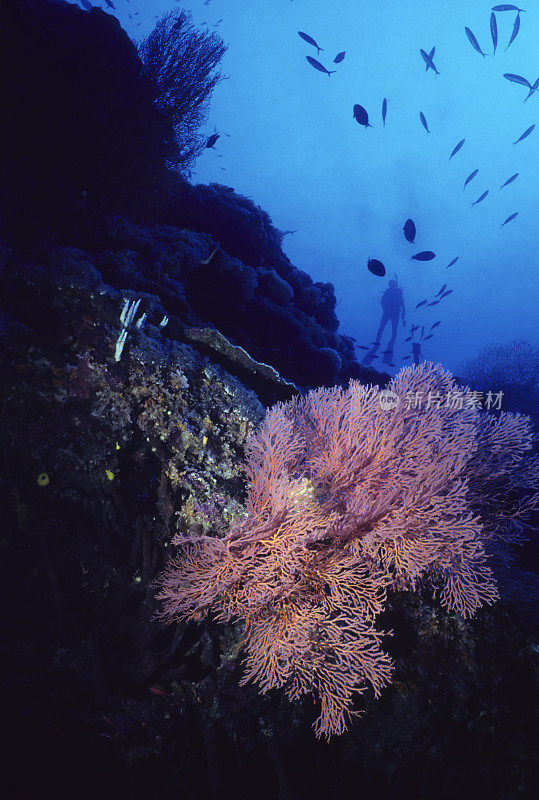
[84, 135]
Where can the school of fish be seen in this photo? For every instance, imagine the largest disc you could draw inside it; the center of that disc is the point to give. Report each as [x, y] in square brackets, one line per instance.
[360, 114]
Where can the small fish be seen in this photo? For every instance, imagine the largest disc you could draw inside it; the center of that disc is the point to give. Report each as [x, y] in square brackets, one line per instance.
[428, 61]
[434, 303]
[517, 79]
[384, 111]
[457, 148]
[516, 28]
[110, 5]
[210, 141]
[494, 31]
[533, 89]
[473, 41]
[431, 54]
[509, 180]
[479, 199]
[506, 7]
[470, 177]
[310, 40]
[317, 65]
[449, 291]
[422, 303]
[444, 287]
[404, 358]
[526, 133]
[453, 262]
[428, 337]
[408, 339]
[512, 216]
[409, 231]
[339, 57]
[414, 328]
[361, 116]
[385, 352]
[376, 267]
[376, 343]
[435, 324]
[424, 255]
[423, 121]
[362, 347]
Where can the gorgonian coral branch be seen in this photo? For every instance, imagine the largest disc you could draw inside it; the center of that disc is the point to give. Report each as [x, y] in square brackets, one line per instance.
[347, 501]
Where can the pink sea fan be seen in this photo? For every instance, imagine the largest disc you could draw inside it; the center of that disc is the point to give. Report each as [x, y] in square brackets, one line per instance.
[347, 501]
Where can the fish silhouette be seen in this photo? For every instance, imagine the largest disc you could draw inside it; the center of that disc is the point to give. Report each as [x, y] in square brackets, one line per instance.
[457, 148]
[480, 199]
[516, 28]
[376, 267]
[517, 79]
[511, 217]
[506, 7]
[524, 135]
[453, 262]
[494, 31]
[310, 40]
[409, 231]
[533, 89]
[509, 180]
[473, 41]
[361, 116]
[470, 177]
[427, 58]
[317, 65]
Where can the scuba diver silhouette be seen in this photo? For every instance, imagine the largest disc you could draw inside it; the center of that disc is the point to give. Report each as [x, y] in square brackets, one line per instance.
[392, 303]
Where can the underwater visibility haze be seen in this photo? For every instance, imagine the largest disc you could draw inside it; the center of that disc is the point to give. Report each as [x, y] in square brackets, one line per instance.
[295, 147]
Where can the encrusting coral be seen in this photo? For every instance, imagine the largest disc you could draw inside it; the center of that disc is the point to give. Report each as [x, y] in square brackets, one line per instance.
[347, 500]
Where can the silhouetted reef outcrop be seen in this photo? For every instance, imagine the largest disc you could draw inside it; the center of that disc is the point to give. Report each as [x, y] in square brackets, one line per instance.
[93, 176]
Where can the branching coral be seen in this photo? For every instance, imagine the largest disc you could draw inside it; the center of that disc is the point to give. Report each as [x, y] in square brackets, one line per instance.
[347, 500]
